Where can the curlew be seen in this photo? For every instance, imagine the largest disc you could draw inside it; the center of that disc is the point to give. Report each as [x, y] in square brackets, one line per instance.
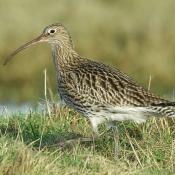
[95, 90]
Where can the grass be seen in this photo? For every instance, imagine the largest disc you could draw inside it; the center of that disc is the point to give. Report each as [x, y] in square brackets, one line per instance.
[29, 144]
[138, 36]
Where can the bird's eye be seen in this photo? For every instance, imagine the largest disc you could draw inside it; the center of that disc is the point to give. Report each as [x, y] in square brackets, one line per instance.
[51, 31]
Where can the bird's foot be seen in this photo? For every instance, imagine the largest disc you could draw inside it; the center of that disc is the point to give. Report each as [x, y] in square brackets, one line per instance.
[73, 141]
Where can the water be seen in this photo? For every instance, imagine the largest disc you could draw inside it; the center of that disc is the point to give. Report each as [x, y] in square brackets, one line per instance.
[25, 108]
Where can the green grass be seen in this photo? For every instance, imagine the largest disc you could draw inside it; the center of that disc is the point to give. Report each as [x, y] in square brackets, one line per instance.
[29, 144]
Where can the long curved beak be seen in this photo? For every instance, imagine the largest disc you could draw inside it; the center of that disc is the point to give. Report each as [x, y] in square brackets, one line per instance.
[40, 38]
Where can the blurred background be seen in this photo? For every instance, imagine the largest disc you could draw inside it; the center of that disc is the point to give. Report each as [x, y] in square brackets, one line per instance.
[136, 36]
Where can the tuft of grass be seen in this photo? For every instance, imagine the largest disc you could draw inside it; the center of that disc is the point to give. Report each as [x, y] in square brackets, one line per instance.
[29, 144]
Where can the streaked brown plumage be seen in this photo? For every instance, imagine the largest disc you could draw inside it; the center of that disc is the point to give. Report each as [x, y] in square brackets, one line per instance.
[97, 91]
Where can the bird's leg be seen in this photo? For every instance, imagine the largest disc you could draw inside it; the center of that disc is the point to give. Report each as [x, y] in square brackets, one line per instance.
[71, 142]
[116, 140]
[95, 121]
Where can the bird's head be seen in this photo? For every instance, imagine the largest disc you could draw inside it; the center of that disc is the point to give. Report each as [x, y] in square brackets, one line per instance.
[53, 34]
[56, 34]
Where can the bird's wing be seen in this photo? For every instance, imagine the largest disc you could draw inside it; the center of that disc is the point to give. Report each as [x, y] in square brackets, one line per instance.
[110, 86]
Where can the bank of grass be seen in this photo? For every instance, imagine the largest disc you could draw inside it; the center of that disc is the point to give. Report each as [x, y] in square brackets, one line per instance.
[29, 144]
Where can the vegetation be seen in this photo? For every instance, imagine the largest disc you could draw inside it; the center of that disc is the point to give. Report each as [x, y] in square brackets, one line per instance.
[136, 36]
[30, 144]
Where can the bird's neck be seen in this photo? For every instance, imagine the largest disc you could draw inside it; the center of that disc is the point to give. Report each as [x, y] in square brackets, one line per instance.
[64, 56]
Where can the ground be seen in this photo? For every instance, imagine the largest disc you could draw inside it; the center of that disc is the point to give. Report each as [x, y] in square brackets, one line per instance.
[29, 144]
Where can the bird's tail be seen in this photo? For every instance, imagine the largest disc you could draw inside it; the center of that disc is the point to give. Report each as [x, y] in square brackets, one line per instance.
[164, 109]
